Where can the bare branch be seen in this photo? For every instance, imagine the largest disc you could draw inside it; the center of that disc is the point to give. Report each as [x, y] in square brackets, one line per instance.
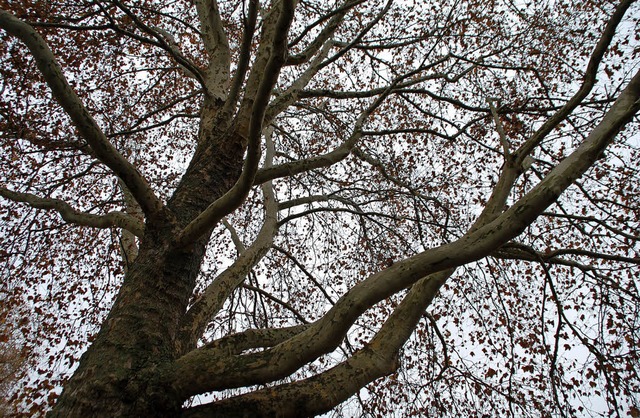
[109, 220]
[595, 220]
[332, 13]
[276, 300]
[587, 84]
[524, 252]
[306, 273]
[323, 37]
[72, 104]
[234, 236]
[339, 153]
[493, 232]
[291, 95]
[361, 35]
[254, 338]
[159, 40]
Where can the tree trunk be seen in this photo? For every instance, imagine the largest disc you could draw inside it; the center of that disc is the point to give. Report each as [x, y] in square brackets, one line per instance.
[117, 376]
[114, 377]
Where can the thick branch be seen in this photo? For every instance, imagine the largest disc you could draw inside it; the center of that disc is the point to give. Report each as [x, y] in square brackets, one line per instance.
[215, 41]
[273, 30]
[81, 118]
[244, 57]
[213, 298]
[254, 338]
[503, 137]
[320, 393]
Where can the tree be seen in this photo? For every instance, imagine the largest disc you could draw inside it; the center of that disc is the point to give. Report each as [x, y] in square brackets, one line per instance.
[419, 207]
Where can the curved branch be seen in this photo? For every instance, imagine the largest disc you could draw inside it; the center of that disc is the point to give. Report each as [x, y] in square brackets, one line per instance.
[69, 214]
[244, 57]
[204, 308]
[323, 37]
[587, 84]
[162, 41]
[332, 157]
[320, 393]
[71, 103]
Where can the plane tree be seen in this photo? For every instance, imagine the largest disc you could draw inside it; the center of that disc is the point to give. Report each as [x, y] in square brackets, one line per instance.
[283, 208]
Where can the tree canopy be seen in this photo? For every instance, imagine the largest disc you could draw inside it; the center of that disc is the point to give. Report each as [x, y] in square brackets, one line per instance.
[286, 208]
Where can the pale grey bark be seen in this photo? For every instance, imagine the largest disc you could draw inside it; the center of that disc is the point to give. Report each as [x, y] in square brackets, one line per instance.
[217, 73]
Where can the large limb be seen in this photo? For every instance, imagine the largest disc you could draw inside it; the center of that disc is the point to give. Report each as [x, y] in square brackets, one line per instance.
[320, 393]
[376, 359]
[86, 125]
[244, 57]
[253, 338]
[273, 42]
[324, 335]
